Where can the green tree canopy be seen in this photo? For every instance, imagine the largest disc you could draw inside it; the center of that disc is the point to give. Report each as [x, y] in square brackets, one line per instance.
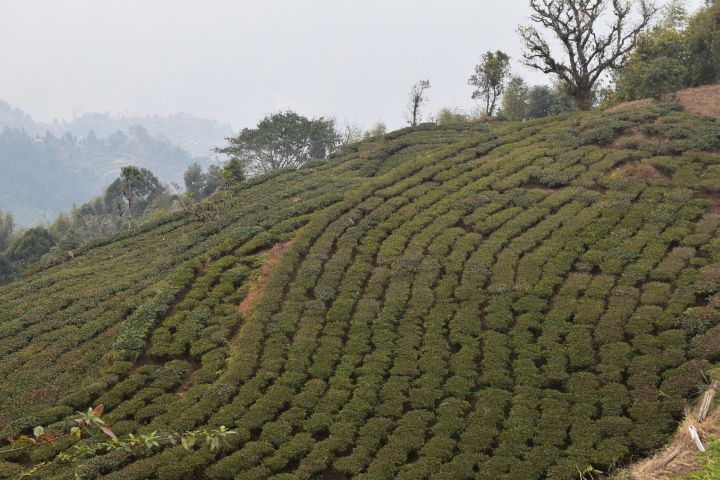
[282, 140]
[7, 227]
[133, 191]
[672, 56]
[489, 79]
[541, 100]
[377, 130]
[514, 100]
[703, 38]
[8, 272]
[29, 247]
[233, 172]
[199, 184]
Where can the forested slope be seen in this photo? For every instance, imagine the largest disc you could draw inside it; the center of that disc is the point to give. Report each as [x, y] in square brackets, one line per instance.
[510, 300]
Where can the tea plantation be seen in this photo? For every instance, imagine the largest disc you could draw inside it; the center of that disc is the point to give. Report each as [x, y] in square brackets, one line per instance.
[494, 301]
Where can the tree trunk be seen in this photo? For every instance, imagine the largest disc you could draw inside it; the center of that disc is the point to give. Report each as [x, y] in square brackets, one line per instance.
[582, 97]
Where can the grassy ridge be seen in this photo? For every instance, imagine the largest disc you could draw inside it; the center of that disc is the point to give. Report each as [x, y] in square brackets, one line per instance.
[491, 301]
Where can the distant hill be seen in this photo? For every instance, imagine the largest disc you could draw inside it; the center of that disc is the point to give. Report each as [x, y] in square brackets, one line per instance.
[45, 169]
[475, 301]
[35, 181]
[197, 136]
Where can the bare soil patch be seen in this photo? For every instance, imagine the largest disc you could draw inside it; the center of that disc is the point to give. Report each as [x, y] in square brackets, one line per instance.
[248, 304]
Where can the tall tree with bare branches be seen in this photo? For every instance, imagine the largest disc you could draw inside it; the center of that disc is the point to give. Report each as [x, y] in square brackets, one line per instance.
[589, 50]
[417, 97]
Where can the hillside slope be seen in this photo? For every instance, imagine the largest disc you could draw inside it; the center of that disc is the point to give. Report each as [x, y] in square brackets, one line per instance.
[515, 301]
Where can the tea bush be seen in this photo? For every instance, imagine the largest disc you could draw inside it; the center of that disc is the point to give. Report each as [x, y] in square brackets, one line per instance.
[469, 301]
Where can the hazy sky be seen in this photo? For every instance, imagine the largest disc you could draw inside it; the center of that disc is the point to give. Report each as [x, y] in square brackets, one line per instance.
[236, 61]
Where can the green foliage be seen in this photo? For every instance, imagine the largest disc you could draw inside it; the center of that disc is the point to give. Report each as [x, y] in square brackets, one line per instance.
[703, 40]
[282, 140]
[136, 195]
[233, 172]
[7, 228]
[447, 116]
[675, 54]
[29, 247]
[87, 423]
[521, 102]
[710, 463]
[542, 101]
[657, 66]
[26, 249]
[489, 79]
[199, 184]
[515, 99]
[132, 192]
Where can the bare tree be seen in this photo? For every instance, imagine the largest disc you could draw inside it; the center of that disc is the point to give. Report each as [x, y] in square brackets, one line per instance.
[130, 177]
[417, 97]
[96, 225]
[350, 133]
[589, 52]
[377, 130]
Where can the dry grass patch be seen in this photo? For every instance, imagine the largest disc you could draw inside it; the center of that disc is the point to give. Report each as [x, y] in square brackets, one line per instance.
[631, 105]
[701, 100]
[640, 169]
[681, 456]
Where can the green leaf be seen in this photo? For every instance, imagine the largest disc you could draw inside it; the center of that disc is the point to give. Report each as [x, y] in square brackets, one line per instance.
[24, 440]
[38, 431]
[188, 440]
[214, 444]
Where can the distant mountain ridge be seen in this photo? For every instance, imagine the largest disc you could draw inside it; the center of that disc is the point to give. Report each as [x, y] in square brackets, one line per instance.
[198, 136]
[47, 168]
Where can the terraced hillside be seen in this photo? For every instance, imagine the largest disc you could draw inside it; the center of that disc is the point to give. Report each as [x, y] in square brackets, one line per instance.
[502, 301]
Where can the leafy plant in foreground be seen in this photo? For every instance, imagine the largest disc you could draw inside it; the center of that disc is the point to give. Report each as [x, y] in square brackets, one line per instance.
[91, 421]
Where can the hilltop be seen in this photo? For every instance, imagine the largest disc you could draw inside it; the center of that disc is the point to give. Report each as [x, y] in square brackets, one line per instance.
[496, 301]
